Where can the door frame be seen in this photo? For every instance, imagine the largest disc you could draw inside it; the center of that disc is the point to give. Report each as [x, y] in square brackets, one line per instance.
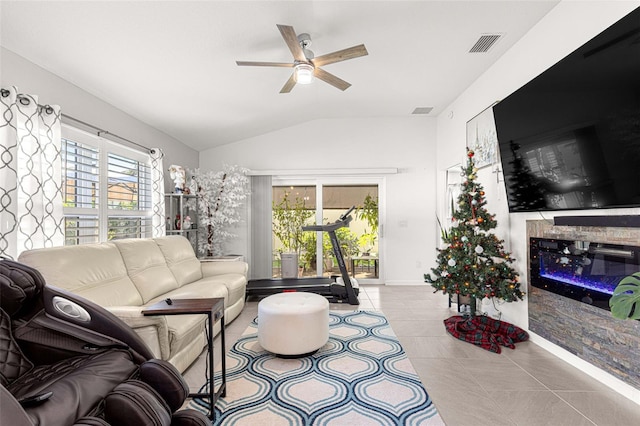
[337, 180]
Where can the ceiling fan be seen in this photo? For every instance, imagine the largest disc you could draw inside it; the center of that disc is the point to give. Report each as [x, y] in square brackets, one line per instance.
[305, 65]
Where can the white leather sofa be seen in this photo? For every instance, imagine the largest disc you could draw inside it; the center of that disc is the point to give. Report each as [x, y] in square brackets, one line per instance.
[125, 275]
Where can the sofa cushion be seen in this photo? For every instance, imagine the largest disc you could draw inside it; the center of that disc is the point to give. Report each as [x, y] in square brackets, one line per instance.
[235, 284]
[183, 329]
[94, 271]
[146, 267]
[180, 259]
[230, 286]
[204, 288]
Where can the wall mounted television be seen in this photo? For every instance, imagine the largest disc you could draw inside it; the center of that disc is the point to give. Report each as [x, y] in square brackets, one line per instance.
[570, 138]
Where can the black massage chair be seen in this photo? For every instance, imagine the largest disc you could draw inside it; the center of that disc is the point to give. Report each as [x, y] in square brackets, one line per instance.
[66, 361]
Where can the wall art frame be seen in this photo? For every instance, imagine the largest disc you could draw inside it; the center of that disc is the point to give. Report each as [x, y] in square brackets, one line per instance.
[482, 137]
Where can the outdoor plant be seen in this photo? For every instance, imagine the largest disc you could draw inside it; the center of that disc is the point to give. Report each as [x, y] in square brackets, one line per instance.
[369, 213]
[348, 244]
[289, 216]
[219, 196]
[308, 258]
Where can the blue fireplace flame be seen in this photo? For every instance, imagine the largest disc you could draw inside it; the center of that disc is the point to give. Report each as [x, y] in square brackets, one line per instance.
[582, 271]
[588, 272]
[577, 271]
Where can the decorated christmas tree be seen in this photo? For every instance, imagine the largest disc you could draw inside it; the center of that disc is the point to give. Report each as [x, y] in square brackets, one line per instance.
[474, 262]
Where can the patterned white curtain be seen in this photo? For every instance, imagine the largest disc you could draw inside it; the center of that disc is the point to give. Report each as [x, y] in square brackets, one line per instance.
[157, 192]
[30, 172]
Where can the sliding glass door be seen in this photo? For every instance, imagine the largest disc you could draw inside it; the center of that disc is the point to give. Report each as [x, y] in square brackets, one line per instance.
[297, 203]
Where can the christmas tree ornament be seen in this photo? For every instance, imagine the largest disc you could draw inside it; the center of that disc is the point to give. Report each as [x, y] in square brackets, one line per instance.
[479, 249]
[451, 262]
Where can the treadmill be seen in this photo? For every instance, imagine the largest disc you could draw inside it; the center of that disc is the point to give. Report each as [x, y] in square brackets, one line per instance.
[325, 286]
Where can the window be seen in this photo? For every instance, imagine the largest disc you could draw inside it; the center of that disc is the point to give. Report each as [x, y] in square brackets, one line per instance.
[106, 189]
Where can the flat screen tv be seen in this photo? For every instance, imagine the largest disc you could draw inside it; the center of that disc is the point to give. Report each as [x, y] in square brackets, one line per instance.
[570, 138]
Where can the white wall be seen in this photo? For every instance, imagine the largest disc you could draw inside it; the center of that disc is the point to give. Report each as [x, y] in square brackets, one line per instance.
[562, 30]
[405, 143]
[75, 102]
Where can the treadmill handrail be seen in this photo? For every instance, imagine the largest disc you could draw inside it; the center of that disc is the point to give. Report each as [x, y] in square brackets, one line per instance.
[328, 227]
[343, 221]
[344, 215]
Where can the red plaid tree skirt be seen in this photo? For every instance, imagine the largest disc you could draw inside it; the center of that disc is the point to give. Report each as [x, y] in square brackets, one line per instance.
[486, 332]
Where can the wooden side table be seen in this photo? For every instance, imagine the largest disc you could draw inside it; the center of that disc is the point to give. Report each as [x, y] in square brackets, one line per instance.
[214, 309]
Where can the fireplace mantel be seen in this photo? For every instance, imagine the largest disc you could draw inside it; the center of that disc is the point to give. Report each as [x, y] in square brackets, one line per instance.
[586, 331]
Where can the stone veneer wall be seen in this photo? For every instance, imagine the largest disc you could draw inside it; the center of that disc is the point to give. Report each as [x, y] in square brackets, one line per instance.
[586, 331]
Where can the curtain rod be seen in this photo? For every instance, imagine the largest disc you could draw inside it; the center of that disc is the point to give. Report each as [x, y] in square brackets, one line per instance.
[47, 108]
[101, 132]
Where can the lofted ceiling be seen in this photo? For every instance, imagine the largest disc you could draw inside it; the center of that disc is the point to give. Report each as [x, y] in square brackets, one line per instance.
[171, 64]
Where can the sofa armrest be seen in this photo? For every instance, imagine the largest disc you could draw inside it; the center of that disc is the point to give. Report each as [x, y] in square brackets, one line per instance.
[132, 316]
[211, 268]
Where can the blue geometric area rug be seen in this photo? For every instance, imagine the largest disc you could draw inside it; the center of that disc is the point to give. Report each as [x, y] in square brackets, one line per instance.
[362, 376]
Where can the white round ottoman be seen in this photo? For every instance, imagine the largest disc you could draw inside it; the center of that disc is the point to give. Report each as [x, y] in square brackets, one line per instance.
[293, 324]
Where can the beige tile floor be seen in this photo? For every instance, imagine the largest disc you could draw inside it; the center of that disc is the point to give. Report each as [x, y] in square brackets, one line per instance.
[471, 386]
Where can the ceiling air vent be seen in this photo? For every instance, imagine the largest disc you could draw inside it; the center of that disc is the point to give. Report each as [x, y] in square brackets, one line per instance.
[422, 110]
[485, 42]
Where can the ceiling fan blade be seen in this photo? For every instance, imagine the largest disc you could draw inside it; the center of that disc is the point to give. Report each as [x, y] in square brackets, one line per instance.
[331, 79]
[340, 55]
[263, 64]
[288, 86]
[290, 37]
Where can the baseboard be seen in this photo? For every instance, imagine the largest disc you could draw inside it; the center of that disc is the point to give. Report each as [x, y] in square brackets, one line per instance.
[405, 282]
[600, 375]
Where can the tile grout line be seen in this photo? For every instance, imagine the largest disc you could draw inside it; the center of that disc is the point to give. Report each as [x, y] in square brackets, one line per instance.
[571, 405]
[554, 393]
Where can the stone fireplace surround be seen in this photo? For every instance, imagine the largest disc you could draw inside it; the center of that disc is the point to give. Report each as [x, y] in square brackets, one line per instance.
[588, 332]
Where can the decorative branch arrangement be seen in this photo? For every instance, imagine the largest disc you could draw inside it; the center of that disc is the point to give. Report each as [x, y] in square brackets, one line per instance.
[219, 196]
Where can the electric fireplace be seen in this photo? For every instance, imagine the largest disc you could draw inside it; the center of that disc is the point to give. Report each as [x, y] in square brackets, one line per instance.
[585, 271]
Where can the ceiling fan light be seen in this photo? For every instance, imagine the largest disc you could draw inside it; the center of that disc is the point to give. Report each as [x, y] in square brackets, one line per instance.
[303, 73]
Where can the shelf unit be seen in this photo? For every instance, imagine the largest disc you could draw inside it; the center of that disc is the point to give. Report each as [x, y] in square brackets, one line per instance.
[176, 209]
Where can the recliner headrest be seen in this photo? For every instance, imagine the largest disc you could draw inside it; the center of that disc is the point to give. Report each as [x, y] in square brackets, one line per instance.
[19, 285]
